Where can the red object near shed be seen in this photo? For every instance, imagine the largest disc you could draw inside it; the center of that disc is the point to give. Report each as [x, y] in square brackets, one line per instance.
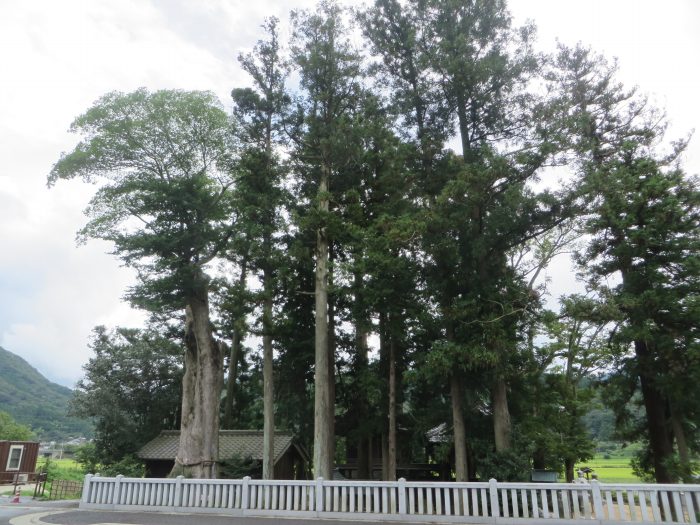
[18, 461]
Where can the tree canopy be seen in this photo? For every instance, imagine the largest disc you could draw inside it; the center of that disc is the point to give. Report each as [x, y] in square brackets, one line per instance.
[10, 430]
[370, 229]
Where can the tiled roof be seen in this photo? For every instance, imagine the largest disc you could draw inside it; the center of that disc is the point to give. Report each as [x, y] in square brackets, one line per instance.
[242, 443]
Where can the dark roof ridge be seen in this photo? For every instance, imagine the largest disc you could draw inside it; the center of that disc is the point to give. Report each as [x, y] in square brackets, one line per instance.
[234, 432]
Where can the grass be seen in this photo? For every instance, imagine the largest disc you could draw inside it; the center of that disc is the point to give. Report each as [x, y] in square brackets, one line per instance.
[67, 469]
[63, 469]
[613, 465]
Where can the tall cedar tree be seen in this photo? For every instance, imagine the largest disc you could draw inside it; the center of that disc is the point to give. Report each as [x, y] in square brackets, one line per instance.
[645, 230]
[259, 113]
[644, 223]
[328, 69]
[377, 276]
[164, 202]
[462, 62]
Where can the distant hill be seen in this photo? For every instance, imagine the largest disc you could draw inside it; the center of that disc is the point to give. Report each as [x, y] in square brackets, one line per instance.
[33, 400]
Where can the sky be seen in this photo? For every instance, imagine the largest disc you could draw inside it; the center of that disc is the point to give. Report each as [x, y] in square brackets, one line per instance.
[57, 58]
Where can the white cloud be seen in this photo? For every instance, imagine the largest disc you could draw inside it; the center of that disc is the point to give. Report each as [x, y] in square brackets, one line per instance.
[61, 56]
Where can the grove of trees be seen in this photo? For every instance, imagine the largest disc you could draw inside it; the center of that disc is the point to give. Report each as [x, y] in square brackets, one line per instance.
[357, 252]
[11, 430]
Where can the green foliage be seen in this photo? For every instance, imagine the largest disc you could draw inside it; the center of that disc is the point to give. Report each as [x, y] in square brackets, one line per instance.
[87, 457]
[238, 467]
[164, 161]
[616, 469]
[131, 391]
[91, 460]
[62, 469]
[129, 466]
[33, 400]
[508, 465]
[439, 254]
[644, 219]
[10, 430]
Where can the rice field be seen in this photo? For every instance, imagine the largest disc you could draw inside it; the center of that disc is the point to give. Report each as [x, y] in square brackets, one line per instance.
[613, 469]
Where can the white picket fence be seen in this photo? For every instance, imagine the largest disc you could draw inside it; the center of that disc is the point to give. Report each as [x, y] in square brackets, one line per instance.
[491, 502]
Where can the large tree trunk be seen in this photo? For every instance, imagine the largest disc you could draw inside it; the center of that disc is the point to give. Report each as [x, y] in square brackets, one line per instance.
[656, 415]
[501, 415]
[322, 429]
[569, 469]
[682, 444]
[190, 440]
[464, 123]
[385, 456]
[234, 358]
[268, 388]
[459, 429]
[391, 438]
[331, 361]
[363, 469]
[370, 456]
[198, 452]
[460, 434]
[361, 407]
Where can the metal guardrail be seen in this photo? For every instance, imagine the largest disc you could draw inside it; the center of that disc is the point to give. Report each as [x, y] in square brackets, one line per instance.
[482, 502]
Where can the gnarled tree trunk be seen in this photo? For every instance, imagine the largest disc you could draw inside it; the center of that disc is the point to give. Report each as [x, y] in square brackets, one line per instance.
[198, 451]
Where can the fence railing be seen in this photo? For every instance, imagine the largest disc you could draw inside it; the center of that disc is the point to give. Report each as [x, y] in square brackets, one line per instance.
[482, 502]
[65, 489]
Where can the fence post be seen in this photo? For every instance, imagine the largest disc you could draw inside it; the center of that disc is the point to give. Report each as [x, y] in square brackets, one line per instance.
[177, 500]
[245, 493]
[116, 494]
[319, 495]
[402, 495]
[597, 500]
[86, 489]
[493, 493]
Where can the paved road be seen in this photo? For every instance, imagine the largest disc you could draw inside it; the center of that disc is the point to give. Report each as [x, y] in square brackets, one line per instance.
[29, 512]
[146, 518]
[10, 511]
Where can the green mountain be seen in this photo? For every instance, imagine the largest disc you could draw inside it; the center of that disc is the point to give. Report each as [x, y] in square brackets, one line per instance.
[33, 400]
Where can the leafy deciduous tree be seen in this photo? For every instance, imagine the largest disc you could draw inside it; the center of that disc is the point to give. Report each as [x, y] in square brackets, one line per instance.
[164, 163]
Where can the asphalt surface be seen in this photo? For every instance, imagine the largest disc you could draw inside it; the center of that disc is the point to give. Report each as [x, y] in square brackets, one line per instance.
[10, 511]
[144, 518]
[30, 512]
